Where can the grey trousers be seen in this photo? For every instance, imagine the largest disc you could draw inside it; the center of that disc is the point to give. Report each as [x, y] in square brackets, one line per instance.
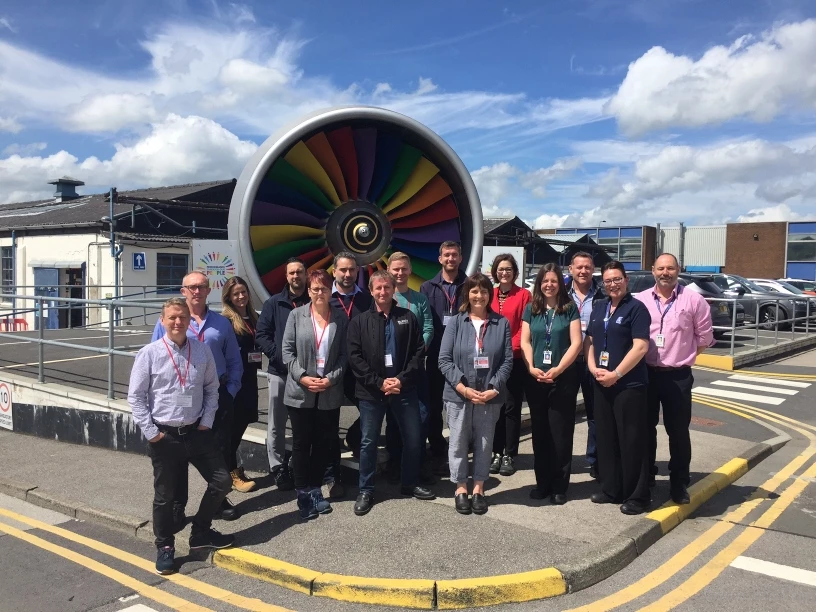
[276, 428]
[471, 424]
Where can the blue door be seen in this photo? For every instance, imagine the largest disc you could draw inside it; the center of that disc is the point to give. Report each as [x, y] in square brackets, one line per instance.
[45, 283]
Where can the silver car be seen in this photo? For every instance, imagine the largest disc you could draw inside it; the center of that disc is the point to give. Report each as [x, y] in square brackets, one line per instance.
[761, 305]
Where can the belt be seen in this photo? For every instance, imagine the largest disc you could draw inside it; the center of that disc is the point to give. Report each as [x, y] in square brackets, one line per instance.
[180, 430]
[669, 368]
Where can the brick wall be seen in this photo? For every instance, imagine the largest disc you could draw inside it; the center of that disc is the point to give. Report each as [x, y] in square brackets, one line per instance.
[760, 258]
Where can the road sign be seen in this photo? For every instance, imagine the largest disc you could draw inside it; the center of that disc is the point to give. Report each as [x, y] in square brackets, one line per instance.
[139, 262]
[5, 406]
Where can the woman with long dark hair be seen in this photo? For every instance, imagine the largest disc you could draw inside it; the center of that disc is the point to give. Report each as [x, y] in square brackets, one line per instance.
[236, 303]
[550, 342]
[617, 340]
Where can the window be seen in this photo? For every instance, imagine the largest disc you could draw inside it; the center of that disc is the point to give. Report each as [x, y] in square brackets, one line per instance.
[7, 269]
[802, 247]
[630, 249]
[170, 271]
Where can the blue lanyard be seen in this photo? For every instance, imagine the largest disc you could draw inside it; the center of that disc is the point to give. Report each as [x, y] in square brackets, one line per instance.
[607, 316]
[663, 313]
[549, 327]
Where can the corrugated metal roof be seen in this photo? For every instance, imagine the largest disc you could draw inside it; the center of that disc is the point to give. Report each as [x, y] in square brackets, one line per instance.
[493, 224]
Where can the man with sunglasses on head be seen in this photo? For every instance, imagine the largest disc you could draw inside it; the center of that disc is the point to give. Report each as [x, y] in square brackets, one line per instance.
[214, 330]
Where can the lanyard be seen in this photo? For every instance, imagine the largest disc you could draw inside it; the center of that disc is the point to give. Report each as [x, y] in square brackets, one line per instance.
[343, 306]
[451, 300]
[607, 316]
[251, 331]
[183, 380]
[549, 327]
[663, 313]
[319, 341]
[481, 336]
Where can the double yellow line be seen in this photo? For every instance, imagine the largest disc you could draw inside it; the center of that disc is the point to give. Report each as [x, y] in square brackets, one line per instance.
[713, 568]
[143, 589]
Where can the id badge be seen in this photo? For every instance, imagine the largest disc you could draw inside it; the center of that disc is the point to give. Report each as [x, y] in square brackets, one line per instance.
[481, 363]
[446, 319]
[255, 357]
[660, 340]
[184, 398]
[547, 360]
[389, 361]
[604, 361]
[321, 363]
[583, 326]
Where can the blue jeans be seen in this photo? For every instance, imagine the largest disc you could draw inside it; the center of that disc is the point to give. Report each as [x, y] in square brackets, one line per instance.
[393, 440]
[405, 409]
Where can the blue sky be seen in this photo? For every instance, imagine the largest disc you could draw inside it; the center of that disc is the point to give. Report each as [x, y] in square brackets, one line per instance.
[566, 112]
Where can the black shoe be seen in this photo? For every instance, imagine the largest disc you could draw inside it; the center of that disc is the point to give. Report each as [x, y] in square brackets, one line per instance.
[495, 465]
[593, 471]
[165, 560]
[601, 498]
[680, 494]
[558, 499]
[211, 539]
[507, 468]
[227, 512]
[463, 504]
[633, 507]
[283, 479]
[536, 493]
[363, 504]
[478, 503]
[417, 492]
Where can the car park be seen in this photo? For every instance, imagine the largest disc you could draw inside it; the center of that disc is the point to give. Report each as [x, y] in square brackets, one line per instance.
[762, 306]
[808, 286]
[785, 287]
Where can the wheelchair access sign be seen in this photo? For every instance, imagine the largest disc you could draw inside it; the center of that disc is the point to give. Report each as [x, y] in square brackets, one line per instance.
[5, 406]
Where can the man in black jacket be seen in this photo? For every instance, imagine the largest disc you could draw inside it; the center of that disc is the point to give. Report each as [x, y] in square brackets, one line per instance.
[268, 336]
[384, 348]
[444, 293]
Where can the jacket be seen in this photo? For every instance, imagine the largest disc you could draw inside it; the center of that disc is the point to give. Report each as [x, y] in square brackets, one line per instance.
[458, 349]
[362, 302]
[366, 351]
[299, 355]
[440, 306]
[271, 325]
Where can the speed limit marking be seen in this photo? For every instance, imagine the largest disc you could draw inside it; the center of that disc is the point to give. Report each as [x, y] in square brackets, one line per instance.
[5, 406]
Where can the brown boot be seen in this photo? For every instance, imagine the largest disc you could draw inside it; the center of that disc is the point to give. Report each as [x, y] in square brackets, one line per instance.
[239, 481]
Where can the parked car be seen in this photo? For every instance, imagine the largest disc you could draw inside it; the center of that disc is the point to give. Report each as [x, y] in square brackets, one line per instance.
[807, 286]
[761, 304]
[784, 287]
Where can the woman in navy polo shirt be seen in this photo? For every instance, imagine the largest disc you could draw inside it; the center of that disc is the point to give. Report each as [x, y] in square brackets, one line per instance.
[616, 342]
[550, 342]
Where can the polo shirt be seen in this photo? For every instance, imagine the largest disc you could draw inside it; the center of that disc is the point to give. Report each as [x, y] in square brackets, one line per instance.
[630, 320]
[559, 334]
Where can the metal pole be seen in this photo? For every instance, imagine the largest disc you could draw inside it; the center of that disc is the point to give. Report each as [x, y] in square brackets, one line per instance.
[144, 310]
[40, 346]
[110, 355]
[776, 324]
[807, 317]
[733, 325]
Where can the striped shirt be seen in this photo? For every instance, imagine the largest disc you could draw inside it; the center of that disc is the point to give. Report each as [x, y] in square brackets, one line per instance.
[155, 385]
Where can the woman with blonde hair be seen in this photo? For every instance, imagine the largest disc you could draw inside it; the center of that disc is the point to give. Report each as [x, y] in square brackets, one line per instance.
[237, 307]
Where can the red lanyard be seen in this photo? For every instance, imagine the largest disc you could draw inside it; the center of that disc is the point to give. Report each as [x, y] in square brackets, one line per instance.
[451, 300]
[319, 341]
[183, 381]
[343, 306]
[481, 336]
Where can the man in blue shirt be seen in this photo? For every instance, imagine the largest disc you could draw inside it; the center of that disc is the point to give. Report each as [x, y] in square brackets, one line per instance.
[216, 332]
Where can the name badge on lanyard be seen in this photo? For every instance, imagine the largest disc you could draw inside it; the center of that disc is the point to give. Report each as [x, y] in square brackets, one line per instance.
[321, 363]
[481, 362]
[660, 341]
[389, 361]
[255, 357]
[604, 360]
[184, 398]
[547, 358]
[446, 319]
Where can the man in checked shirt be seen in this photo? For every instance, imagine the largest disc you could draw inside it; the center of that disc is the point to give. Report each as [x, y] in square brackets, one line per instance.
[173, 395]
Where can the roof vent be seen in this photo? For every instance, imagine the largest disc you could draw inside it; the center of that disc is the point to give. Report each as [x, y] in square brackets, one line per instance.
[66, 188]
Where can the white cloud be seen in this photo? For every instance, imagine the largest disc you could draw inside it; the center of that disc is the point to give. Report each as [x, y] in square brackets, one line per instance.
[24, 149]
[381, 89]
[111, 112]
[537, 180]
[10, 124]
[755, 77]
[248, 77]
[6, 23]
[425, 86]
[780, 212]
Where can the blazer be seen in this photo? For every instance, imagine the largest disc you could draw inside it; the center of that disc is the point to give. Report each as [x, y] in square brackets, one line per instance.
[298, 352]
[458, 349]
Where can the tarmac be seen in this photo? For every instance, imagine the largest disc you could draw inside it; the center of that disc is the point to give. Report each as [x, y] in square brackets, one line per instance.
[405, 552]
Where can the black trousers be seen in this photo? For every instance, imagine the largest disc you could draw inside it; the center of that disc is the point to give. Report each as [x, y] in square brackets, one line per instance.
[672, 390]
[588, 391]
[436, 385]
[221, 441]
[621, 425]
[312, 434]
[170, 456]
[552, 416]
[508, 427]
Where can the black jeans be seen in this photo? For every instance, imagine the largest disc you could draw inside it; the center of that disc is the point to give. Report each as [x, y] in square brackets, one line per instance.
[552, 416]
[623, 449]
[312, 433]
[588, 391]
[508, 427]
[672, 389]
[170, 456]
[221, 441]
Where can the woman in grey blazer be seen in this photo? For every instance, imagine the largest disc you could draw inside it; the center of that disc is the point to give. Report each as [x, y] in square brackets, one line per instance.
[314, 350]
[476, 358]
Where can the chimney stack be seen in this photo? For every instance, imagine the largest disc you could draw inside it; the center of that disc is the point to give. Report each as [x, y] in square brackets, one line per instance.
[65, 188]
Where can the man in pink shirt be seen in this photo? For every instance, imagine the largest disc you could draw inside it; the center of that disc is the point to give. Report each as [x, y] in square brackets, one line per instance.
[681, 330]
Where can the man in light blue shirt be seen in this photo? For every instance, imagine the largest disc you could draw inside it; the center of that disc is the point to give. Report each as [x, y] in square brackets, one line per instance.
[214, 330]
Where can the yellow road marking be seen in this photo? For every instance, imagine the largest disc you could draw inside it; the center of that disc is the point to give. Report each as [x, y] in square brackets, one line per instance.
[157, 595]
[209, 590]
[706, 574]
[759, 373]
[692, 550]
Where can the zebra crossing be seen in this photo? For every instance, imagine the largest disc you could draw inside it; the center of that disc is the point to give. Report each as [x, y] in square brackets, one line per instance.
[756, 389]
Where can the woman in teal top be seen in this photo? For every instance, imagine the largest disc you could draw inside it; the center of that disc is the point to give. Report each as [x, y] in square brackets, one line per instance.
[550, 342]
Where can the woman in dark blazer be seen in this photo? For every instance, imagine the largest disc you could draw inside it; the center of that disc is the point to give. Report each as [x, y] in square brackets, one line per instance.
[314, 351]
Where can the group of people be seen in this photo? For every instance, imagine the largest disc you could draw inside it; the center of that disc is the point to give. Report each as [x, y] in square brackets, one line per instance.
[470, 347]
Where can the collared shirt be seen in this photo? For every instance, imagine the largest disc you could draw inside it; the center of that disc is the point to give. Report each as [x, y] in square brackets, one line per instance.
[216, 332]
[584, 306]
[154, 385]
[687, 326]
[418, 304]
[336, 291]
[630, 321]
